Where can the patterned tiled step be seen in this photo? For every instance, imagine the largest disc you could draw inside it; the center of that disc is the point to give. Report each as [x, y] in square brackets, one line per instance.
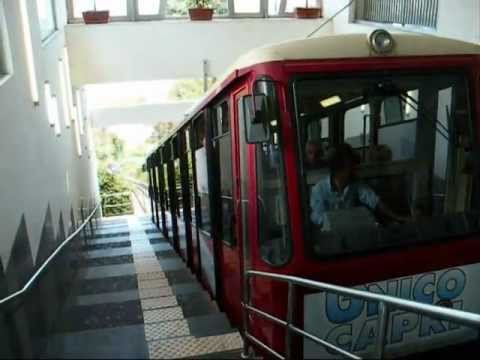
[107, 285]
[166, 314]
[111, 235]
[159, 303]
[166, 329]
[152, 284]
[190, 346]
[111, 231]
[106, 245]
[155, 293]
[108, 240]
[127, 342]
[105, 261]
[151, 275]
[105, 298]
[108, 252]
[80, 318]
[107, 271]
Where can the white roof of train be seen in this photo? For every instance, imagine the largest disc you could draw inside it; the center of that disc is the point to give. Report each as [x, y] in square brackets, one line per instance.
[354, 46]
[343, 47]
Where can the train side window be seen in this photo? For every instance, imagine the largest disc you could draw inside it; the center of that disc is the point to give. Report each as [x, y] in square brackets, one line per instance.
[357, 128]
[223, 158]
[201, 168]
[273, 219]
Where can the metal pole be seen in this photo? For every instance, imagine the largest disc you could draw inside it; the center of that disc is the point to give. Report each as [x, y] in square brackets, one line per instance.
[83, 220]
[246, 301]
[205, 75]
[291, 306]
[383, 315]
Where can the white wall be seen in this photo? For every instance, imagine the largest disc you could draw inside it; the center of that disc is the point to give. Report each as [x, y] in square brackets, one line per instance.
[169, 49]
[456, 19]
[33, 161]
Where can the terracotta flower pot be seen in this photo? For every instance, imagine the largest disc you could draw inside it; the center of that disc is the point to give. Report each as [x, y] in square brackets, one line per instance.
[200, 14]
[308, 13]
[96, 17]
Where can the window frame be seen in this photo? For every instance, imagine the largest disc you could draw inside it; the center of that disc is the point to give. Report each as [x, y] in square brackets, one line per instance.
[302, 172]
[47, 37]
[357, 17]
[79, 20]
[134, 15]
[6, 63]
[218, 134]
[283, 175]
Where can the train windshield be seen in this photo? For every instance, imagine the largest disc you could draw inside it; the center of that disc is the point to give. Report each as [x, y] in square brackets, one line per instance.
[385, 160]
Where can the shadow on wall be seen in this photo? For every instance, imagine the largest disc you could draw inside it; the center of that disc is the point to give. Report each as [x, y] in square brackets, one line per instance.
[26, 324]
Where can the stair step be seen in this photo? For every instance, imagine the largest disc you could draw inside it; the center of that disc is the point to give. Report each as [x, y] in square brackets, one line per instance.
[191, 346]
[209, 325]
[111, 343]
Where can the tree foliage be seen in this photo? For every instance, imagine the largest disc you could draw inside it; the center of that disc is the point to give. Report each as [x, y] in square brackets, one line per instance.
[160, 130]
[188, 89]
[115, 194]
[180, 7]
[110, 151]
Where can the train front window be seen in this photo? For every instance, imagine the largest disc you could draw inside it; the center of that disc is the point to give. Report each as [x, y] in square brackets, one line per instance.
[384, 161]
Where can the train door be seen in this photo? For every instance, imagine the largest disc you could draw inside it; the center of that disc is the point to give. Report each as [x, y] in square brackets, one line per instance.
[161, 193]
[172, 193]
[203, 174]
[155, 188]
[180, 185]
[166, 193]
[194, 223]
[229, 154]
[150, 187]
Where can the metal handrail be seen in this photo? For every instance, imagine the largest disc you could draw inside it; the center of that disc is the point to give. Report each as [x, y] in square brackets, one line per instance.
[30, 283]
[385, 302]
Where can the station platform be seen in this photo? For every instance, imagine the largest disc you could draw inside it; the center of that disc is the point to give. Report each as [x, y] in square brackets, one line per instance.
[134, 297]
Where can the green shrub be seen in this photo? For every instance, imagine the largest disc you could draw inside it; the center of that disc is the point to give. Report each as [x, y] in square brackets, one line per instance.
[110, 186]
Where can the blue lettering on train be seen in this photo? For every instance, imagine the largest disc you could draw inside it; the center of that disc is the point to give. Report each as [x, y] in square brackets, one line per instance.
[430, 288]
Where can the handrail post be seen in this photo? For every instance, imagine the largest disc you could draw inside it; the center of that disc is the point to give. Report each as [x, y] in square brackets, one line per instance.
[91, 227]
[383, 317]
[246, 302]
[291, 306]
[82, 214]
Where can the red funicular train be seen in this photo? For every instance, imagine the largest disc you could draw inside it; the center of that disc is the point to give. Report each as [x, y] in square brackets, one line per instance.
[238, 187]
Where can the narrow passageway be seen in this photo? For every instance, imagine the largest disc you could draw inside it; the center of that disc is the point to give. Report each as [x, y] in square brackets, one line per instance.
[135, 298]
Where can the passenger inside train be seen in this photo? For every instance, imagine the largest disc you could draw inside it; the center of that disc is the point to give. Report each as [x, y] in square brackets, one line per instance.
[341, 190]
[411, 134]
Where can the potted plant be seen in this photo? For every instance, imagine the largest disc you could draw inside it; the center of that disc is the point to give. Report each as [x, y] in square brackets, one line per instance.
[308, 12]
[200, 10]
[95, 16]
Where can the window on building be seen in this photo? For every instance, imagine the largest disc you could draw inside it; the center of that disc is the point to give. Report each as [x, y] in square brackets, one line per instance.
[420, 13]
[148, 7]
[47, 17]
[161, 9]
[117, 8]
[5, 63]
[246, 6]
[287, 7]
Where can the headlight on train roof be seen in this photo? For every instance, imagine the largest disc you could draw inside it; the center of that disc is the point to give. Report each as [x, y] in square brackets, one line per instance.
[381, 41]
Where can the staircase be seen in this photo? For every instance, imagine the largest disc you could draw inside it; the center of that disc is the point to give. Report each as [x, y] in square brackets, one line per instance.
[135, 298]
